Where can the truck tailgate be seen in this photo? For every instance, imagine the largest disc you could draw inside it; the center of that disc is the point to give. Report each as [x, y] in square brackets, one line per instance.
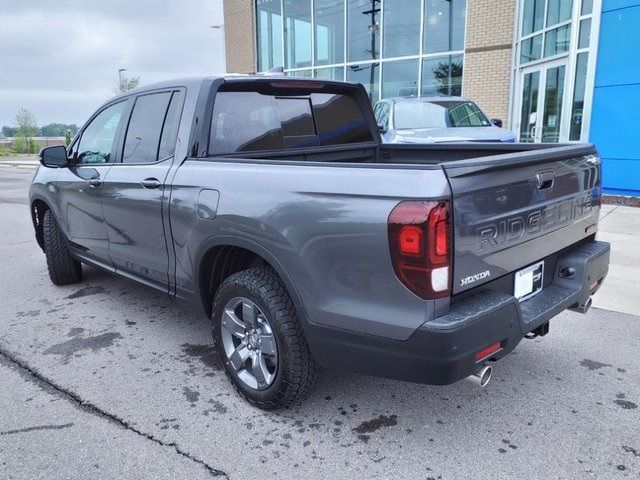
[509, 211]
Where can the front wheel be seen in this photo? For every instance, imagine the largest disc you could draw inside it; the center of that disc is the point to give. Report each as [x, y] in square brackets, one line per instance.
[260, 340]
[63, 268]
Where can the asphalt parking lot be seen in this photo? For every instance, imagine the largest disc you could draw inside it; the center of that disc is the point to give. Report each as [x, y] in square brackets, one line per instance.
[107, 379]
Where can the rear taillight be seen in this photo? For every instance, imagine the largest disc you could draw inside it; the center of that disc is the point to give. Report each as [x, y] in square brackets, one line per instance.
[420, 244]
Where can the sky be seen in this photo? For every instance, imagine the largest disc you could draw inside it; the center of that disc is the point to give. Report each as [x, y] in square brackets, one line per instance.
[60, 59]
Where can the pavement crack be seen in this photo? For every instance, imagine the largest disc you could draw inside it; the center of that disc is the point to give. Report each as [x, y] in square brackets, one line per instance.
[86, 405]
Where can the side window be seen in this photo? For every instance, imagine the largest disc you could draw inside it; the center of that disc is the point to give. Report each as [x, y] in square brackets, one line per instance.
[384, 114]
[376, 113]
[170, 129]
[142, 141]
[97, 144]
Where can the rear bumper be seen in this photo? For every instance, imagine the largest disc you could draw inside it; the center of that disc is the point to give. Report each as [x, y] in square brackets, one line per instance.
[443, 351]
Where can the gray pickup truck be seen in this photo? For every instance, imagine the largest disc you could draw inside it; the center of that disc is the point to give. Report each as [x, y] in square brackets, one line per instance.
[271, 204]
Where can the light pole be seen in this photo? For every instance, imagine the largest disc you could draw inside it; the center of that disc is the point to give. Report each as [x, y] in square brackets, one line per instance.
[220, 27]
[120, 70]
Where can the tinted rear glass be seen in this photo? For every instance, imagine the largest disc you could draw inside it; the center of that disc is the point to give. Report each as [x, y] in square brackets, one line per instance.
[250, 121]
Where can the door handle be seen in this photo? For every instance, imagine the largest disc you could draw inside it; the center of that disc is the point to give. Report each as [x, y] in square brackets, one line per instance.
[94, 182]
[150, 183]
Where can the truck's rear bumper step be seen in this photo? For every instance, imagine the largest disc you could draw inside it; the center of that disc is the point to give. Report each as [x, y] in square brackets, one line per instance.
[444, 350]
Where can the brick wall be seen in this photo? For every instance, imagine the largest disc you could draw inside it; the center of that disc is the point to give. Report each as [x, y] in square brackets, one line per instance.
[487, 62]
[239, 31]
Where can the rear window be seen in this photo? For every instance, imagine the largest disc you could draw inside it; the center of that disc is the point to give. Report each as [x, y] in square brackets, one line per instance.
[245, 121]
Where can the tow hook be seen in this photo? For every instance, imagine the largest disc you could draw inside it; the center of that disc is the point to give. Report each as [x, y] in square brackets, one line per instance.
[482, 376]
[541, 331]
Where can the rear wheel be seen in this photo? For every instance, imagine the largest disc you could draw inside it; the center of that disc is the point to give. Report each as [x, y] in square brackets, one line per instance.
[260, 339]
[63, 268]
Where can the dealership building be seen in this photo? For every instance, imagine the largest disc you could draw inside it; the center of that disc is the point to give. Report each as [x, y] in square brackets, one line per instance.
[552, 70]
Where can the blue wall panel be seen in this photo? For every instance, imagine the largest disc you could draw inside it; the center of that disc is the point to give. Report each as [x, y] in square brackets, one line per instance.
[615, 121]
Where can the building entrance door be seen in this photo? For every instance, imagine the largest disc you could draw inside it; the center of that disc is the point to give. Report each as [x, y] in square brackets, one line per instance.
[541, 95]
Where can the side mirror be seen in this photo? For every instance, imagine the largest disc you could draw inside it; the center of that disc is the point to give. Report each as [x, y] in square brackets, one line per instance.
[497, 122]
[55, 157]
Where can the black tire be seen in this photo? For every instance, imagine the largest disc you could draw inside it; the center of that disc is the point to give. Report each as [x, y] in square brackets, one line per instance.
[63, 268]
[296, 370]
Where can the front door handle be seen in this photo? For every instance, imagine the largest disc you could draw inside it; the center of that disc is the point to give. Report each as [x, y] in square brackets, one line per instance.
[94, 182]
[150, 183]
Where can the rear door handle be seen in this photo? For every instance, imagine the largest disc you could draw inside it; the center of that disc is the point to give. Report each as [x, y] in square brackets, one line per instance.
[94, 182]
[150, 183]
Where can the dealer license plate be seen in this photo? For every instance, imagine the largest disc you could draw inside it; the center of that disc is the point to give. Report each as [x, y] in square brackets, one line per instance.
[528, 281]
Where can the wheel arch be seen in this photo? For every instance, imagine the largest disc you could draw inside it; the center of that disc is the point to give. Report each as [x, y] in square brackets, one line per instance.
[38, 208]
[221, 256]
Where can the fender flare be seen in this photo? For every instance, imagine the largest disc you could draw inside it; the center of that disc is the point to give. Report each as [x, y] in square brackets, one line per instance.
[256, 248]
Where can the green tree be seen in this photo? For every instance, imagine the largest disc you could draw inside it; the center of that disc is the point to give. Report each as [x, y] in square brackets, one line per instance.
[126, 83]
[8, 131]
[67, 137]
[26, 128]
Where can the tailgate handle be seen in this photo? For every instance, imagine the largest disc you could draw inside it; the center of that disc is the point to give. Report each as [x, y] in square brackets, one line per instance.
[545, 180]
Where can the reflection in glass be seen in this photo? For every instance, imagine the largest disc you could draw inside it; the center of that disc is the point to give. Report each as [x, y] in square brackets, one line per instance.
[308, 73]
[553, 96]
[269, 34]
[533, 16]
[558, 11]
[557, 41]
[575, 130]
[528, 114]
[363, 29]
[442, 75]
[585, 33]
[330, 73]
[401, 27]
[400, 79]
[531, 49]
[444, 22]
[329, 31]
[297, 33]
[367, 75]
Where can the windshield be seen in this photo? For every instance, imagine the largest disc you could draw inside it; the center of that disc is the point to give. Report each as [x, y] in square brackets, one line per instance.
[438, 114]
[419, 115]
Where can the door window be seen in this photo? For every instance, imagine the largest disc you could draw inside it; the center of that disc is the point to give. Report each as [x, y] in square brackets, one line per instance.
[97, 144]
[142, 141]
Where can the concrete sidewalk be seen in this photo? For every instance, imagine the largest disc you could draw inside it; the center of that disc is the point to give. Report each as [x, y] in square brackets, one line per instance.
[20, 161]
[620, 292]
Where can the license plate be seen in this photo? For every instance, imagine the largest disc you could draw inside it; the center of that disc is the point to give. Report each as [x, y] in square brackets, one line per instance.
[528, 281]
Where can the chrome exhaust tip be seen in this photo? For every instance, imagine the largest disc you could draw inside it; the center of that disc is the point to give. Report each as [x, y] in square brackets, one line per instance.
[583, 308]
[482, 377]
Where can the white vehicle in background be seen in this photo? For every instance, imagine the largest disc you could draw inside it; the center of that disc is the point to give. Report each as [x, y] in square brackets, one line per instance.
[437, 120]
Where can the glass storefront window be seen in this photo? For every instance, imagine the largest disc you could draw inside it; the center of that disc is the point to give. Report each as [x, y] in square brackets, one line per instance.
[366, 74]
[557, 41]
[444, 23]
[585, 33]
[269, 34]
[331, 73]
[533, 16]
[363, 29]
[400, 79]
[531, 49]
[442, 75]
[329, 31]
[575, 130]
[587, 7]
[297, 34]
[558, 11]
[401, 27]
